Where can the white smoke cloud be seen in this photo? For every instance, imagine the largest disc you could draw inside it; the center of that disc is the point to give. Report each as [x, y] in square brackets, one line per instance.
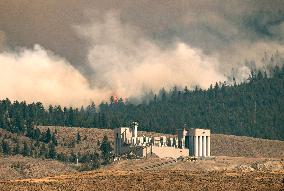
[38, 75]
[128, 64]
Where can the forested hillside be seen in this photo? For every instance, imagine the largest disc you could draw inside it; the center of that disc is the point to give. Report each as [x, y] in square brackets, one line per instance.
[253, 108]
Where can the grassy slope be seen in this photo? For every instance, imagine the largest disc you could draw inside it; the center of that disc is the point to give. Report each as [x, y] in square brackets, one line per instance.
[221, 145]
[25, 167]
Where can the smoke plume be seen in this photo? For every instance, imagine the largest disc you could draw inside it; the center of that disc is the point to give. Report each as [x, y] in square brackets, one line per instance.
[122, 62]
[125, 62]
[39, 75]
[71, 52]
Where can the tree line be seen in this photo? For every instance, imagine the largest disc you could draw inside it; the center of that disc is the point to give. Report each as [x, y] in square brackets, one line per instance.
[252, 108]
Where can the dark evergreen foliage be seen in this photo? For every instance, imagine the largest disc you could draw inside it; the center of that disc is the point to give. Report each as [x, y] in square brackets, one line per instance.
[52, 151]
[53, 139]
[106, 150]
[253, 108]
[78, 137]
[43, 151]
[17, 149]
[5, 147]
[47, 137]
[26, 150]
[62, 157]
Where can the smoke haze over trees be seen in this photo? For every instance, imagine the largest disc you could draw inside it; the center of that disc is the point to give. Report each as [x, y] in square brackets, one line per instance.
[56, 56]
[71, 53]
[254, 108]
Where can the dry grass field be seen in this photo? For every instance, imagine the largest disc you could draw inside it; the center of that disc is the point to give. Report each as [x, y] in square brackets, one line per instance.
[241, 163]
[224, 173]
[19, 167]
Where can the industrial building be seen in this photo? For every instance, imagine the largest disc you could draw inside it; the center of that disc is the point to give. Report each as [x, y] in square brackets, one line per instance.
[187, 142]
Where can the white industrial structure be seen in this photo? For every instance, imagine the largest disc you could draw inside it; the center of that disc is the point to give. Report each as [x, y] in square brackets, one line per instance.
[199, 145]
[192, 142]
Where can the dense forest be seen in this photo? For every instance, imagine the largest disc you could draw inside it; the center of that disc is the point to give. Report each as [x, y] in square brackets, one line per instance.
[252, 108]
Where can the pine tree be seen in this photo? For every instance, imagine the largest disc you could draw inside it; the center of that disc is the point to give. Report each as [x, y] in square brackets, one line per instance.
[43, 151]
[37, 134]
[54, 140]
[95, 161]
[52, 151]
[26, 150]
[6, 147]
[16, 149]
[106, 150]
[71, 117]
[37, 144]
[62, 157]
[78, 138]
[73, 157]
[48, 136]
[1, 149]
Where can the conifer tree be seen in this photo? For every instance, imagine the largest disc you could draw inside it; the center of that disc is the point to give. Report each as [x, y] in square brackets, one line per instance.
[37, 134]
[43, 152]
[54, 140]
[6, 147]
[26, 150]
[1, 150]
[106, 150]
[16, 149]
[52, 151]
[47, 136]
[78, 138]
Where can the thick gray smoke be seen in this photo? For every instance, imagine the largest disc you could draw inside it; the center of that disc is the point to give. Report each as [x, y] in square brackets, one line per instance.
[122, 61]
[87, 51]
[125, 62]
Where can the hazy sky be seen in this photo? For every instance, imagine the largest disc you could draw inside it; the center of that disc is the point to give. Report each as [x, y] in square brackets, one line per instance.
[72, 51]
